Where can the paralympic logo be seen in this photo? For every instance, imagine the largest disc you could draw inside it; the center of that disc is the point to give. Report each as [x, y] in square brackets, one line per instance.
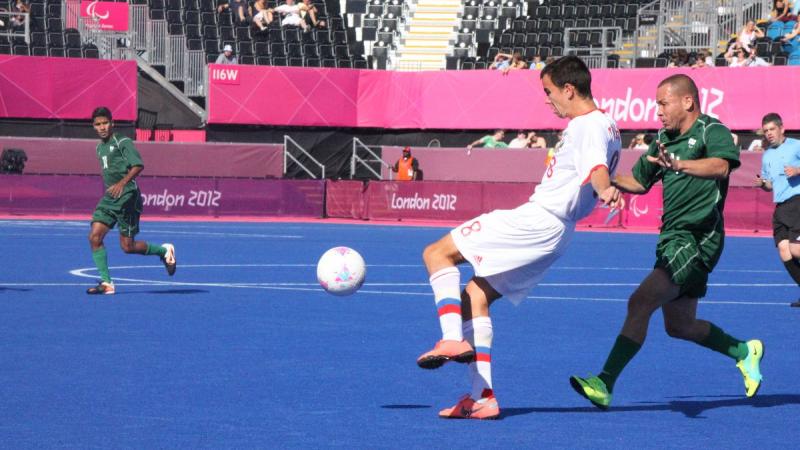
[637, 211]
[91, 10]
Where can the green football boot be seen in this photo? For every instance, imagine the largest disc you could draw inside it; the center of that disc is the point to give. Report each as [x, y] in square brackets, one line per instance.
[593, 389]
[750, 367]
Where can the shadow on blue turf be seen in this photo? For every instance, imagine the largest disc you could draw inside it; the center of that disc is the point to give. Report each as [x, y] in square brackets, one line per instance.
[3, 288]
[690, 408]
[167, 292]
[405, 406]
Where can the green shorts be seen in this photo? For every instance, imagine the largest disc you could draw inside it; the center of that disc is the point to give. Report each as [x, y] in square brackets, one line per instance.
[124, 210]
[688, 259]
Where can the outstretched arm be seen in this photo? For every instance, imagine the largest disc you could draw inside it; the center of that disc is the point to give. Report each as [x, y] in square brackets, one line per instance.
[710, 168]
[628, 184]
[607, 192]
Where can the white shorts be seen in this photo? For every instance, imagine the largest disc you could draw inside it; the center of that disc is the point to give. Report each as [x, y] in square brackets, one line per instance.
[512, 249]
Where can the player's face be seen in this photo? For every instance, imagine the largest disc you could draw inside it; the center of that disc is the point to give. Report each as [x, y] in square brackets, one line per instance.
[102, 126]
[773, 133]
[555, 97]
[672, 109]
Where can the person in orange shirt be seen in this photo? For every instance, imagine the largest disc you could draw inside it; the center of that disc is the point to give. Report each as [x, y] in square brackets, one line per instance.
[407, 167]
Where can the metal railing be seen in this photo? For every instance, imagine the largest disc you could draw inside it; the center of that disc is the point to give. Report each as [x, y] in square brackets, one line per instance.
[287, 155]
[195, 73]
[156, 42]
[365, 162]
[175, 57]
[11, 31]
[595, 56]
[669, 25]
[138, 26]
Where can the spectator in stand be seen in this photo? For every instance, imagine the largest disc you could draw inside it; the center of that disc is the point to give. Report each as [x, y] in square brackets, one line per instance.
[703, 60]
[521, 141]
[494, 140]
[738, 57]
[759, 143]
[239, 8]
[750, 32]
[227, 56]
[795, 31]
[536, 141]
[638, 143]
[407, 167]
[501, 61]
[291, 15]
[536, 63]
[517, 63]
[19, 21]
[309, 14]
[679, 59]
[780, 12]
[261, 14]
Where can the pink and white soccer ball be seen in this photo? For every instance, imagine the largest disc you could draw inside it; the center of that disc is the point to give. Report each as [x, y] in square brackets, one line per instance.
[341, 271]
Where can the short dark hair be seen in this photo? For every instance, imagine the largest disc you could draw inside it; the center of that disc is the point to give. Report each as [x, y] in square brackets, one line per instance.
[101, 111]
[684, 85]
[570, 70]
[772, 117]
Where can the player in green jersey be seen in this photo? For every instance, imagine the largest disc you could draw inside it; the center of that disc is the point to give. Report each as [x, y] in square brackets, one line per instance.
[693, 157]
[121, 204]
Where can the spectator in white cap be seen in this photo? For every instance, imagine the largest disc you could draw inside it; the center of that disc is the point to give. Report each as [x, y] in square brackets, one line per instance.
[227, 57]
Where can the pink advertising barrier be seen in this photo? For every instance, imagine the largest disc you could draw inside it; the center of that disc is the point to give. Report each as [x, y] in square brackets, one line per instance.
[746, 209]
[429, 200]
[70, 194]
[524, 166]
[480, 99]
[34, 87]
[105, 16]
[78, 156]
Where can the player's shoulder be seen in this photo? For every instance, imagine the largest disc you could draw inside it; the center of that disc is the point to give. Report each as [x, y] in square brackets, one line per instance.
[709, 125]
[793, 142]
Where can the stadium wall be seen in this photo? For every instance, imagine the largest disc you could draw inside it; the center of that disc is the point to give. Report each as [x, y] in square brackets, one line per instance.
[479, 99]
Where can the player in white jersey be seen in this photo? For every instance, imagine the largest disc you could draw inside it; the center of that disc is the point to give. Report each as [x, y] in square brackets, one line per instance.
[510, 250]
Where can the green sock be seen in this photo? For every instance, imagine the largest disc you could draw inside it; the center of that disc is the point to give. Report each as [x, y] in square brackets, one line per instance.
[623, 351]
[100, 257]
[155, 250]
[718, 341]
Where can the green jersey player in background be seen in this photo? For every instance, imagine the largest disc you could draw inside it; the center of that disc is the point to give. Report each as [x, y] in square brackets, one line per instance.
[121, 204]
[693, 157]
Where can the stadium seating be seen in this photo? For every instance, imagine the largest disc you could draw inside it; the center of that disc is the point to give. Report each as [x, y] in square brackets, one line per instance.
[205, 29]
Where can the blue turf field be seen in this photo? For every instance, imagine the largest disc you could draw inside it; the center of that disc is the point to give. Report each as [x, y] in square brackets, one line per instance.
[242, 349]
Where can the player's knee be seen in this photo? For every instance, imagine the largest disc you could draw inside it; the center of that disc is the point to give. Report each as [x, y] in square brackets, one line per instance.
[677, 330]
[431, 253]
[127, 247]
[95, 239]
[640, 306]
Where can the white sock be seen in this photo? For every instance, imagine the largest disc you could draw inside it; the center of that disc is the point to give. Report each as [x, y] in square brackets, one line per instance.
[481, 368]
[447, 294]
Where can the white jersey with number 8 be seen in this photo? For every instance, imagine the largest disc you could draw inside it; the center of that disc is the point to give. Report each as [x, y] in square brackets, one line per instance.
[589, 141]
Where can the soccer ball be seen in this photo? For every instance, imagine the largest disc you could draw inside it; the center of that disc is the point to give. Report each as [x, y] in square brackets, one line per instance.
[341, 271]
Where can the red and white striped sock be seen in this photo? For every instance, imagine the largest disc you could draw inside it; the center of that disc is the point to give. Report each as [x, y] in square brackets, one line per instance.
[447, 294]
[478, 332]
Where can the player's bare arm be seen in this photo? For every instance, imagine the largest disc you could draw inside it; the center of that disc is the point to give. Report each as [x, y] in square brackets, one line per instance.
[628, 184]
[791, 171]
[606, 191]
[115, 190]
